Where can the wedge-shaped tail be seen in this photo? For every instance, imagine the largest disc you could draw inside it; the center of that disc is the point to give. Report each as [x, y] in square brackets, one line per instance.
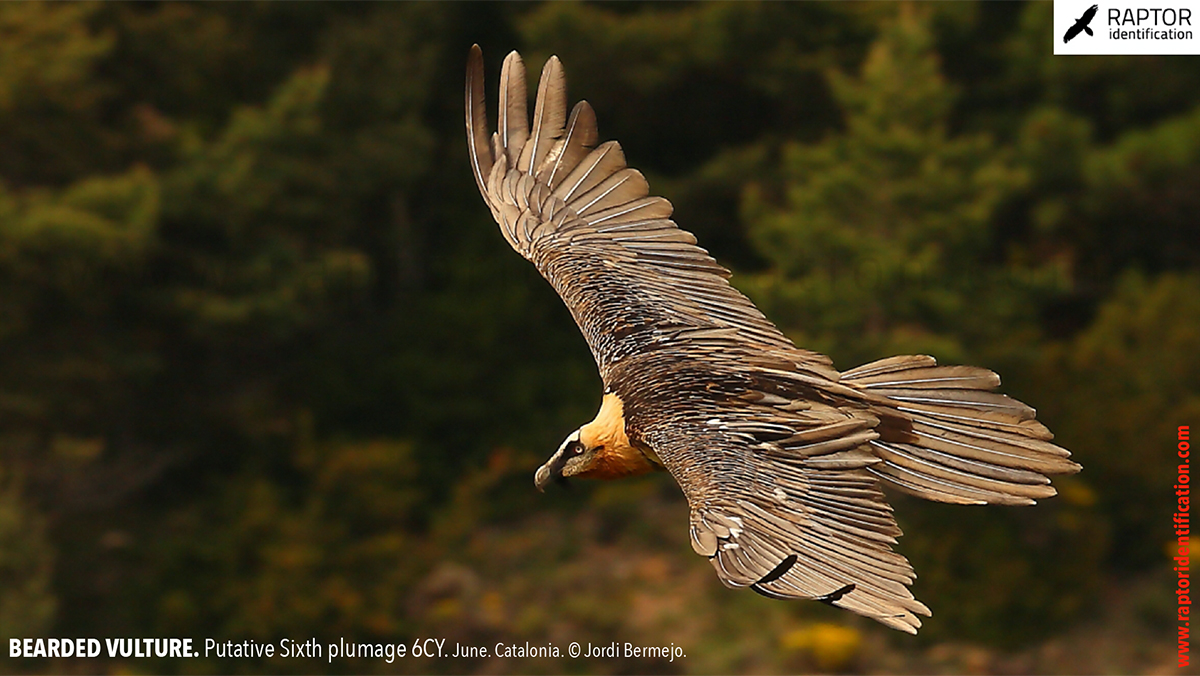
[964, 444]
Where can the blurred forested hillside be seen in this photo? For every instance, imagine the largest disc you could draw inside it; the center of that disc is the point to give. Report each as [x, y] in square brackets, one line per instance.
[269, 369]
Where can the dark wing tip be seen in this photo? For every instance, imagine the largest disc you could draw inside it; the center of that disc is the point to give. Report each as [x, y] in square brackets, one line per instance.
[780, 570]
[837, 594]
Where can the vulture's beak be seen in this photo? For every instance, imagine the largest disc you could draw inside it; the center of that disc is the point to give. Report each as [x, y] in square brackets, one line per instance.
[551, 471]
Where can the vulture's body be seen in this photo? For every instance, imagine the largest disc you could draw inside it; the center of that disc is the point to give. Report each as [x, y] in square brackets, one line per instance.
[780, 456]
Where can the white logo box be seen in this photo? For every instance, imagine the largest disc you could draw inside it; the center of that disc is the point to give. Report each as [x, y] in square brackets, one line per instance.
[1127, 27]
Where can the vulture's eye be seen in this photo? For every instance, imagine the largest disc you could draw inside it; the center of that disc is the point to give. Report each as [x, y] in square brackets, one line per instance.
[576, 448]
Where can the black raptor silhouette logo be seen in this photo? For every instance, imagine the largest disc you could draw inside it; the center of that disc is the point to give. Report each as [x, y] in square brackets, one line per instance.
[1082, 24]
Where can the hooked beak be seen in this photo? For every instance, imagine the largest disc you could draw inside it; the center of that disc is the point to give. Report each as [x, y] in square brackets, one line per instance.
[551, 471]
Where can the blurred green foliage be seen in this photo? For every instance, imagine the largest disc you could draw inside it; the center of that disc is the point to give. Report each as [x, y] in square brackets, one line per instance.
[880, 237]
[268, 369]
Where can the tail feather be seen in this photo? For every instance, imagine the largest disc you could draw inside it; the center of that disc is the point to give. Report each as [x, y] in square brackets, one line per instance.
[962, 443]
[890, 365]
[938, 377]
[978, 418]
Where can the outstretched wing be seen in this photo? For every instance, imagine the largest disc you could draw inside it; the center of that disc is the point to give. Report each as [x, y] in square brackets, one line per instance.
[778, 477]
[800, 517]
[587, 221]
[784, 483]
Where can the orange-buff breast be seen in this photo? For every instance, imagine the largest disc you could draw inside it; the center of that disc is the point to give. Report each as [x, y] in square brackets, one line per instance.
[616, 457]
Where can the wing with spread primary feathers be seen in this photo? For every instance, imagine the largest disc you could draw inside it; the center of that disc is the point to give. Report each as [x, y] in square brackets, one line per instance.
[587, 221]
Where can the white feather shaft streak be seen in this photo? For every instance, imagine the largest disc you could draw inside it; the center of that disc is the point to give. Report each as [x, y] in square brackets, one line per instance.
[580, 137]
[601, 163]
[647, 208]
[478, 136]
[549, 115]
[514, 115]
[621, 188]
